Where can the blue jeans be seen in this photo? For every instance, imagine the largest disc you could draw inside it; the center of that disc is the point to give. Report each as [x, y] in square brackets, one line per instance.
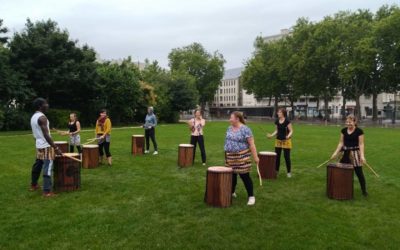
[47, 166]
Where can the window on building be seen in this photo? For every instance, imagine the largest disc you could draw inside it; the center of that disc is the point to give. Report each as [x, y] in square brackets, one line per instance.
[220, 98]
[220, 91]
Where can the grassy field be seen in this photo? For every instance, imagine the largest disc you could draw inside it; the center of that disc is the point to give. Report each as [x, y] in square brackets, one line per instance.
[148, 202]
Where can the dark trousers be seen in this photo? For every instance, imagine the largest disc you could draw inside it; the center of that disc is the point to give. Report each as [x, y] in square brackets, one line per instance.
[200, 140]
[71, 149]
[286, 154]
[361, 178]
[150, 134]
[36, 170]
[248, 183]
[104, 146]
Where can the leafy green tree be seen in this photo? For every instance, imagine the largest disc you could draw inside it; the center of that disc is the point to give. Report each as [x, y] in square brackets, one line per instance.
[3, 31]
[206, 68]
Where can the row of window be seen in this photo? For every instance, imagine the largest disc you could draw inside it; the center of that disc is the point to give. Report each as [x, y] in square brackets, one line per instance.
[228, 82]
[225, 98]
[227, 91]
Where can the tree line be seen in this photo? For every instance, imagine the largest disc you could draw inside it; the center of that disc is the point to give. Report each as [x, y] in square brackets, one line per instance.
[354, 53]
[42, 60]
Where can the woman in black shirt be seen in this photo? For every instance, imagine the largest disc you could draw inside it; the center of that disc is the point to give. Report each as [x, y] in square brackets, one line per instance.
[283, 132]
[351, 145]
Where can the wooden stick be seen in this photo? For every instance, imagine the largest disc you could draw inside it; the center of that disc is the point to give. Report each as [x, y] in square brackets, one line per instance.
[88, 142]
[325, 162]
[259, 175]
[72, 158]
[373, 171]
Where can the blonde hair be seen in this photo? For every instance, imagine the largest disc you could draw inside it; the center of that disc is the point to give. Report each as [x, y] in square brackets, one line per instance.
[352, 118]
[239, 115]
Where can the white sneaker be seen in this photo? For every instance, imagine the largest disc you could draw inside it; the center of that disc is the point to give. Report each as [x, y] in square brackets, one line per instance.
[252, 201]
[204, 164]
[289, 175]
[155, 153]
[234, 195]
[146, 152]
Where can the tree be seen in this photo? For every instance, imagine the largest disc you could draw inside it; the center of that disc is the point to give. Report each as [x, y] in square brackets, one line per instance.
[120, 89]
[206, 68]
[182, 91]
[54, 66]
[3, 30]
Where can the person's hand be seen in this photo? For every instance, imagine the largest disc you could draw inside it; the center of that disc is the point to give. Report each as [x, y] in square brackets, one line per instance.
[334, 155]
[257, 160]
[58, 151]
[287, 137]
[363, 160]
[269, 136]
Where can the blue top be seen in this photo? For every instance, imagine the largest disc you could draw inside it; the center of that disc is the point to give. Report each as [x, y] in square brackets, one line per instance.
[150, 121]
[236, 141]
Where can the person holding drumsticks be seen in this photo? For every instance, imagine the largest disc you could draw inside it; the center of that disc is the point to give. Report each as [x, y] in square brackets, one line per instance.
[74, 127]
[283, 133]
[45, 148]
[149, 130]
[239, 147]
[351, 145]
[196, 126]
[103, 135]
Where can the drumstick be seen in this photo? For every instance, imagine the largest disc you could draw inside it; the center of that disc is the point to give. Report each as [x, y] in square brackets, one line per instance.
[373, 171]
[325, 162]
[72, 158]
[88, 142]
[259, 175]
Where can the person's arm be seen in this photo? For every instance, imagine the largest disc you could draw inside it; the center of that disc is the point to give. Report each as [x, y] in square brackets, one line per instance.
[78, 128]
[338, 148]
[155, 120]
[190, 124]
[290, 127]
[273, 134]
[253, 149]
[361, 145]
[107, 128]
[203, 122]
[45, 130]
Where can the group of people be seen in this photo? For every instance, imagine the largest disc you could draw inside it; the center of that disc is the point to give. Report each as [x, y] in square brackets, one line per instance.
[239, 144]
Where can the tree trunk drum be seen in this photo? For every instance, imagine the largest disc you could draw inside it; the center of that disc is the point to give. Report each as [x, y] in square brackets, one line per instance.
[267, 165]
[218, 187]
[62, 145]
[339, 181]
[67, 173]
[90, 156]
[137, 144]
[185, 155]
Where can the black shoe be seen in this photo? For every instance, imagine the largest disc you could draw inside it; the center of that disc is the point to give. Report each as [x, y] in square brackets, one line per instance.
[365, 193]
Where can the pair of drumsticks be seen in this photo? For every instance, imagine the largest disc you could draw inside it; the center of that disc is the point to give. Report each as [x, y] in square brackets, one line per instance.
[366, 164]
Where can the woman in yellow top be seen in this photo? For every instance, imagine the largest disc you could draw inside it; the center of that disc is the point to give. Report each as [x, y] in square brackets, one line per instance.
[103, 135]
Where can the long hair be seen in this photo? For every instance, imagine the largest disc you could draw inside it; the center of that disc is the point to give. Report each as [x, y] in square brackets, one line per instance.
[239, 115]
[74, 114]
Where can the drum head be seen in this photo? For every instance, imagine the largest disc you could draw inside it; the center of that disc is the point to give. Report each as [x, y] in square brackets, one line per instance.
[186, 145]
[90, 146]
[60, 142]
[340, 165]
[137, 135]
[266, 153]
[220, 169]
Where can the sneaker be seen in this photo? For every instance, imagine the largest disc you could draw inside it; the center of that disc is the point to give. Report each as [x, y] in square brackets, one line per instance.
[234, 195]
[146, 152]
[252, 201]
[204, 164]
[155, 153]
[49, 194]
[365, 193]
[34, 188]
[289, 175]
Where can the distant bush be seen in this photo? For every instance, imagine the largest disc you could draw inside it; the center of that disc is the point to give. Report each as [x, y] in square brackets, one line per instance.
[59, 117]
[14, 119]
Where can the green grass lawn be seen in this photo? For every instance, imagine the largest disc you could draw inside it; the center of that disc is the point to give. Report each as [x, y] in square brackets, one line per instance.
[147, 202]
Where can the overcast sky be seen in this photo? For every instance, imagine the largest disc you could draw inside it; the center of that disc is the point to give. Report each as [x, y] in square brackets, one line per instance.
[150, 29]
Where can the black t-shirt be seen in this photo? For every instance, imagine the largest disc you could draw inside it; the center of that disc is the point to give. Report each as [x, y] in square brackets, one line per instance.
[282, 129]
[72, 127]
[351, 140]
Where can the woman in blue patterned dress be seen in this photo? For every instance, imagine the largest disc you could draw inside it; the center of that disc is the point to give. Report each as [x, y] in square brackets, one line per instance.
[239, 146]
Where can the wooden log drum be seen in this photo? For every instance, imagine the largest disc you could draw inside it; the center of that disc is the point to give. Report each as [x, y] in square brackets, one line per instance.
[67, 173]
[219, 187]
[137, 144]
[267, 165]
[62, 145]
[339, 181]
[185, 155]
[90, 156]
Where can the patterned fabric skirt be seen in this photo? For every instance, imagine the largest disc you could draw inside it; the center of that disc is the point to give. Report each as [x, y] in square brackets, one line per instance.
[45, 153]
[351, 156]
[283, 143]
[75, 140]
[240, 162]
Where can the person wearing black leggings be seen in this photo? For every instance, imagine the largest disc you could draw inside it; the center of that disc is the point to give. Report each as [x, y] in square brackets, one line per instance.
[196, 126]
[351, 146]
[283, 133]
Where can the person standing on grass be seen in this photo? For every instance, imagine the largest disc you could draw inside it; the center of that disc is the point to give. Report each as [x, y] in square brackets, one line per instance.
[196, 126]
[351, 145]
[239, 146]
[74, 128]
[103, 135]
[45, 148]
[149, 130]
[283, 133]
